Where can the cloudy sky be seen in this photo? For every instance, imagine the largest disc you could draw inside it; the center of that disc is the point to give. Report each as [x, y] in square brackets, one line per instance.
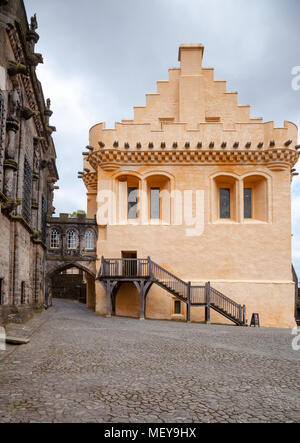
[102, 56]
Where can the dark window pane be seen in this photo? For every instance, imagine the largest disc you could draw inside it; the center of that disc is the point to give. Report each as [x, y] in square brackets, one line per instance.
[224, 203]
[27, 187]
[155, 203]
[177, 307]
[247, 203]
[22, 292]
[132, 202]
[44, 218]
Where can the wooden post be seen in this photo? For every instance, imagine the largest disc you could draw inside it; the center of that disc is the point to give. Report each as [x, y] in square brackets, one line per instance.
[207, 306]
[102, 266]
[244, 314]
[142, 300]
[240, 313]
[149, 266]
[188, 305]
[108, 299]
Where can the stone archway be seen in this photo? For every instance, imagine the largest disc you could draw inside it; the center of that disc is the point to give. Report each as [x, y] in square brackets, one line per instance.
[71, 280]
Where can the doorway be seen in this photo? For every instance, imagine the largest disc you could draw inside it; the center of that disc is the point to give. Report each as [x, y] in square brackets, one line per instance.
[129, 260]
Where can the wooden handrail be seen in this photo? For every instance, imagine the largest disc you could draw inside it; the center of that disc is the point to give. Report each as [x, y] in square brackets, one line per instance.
[146, 268]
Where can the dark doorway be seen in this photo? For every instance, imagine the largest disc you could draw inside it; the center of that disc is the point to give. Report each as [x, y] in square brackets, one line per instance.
[129, 263]
[69, 284]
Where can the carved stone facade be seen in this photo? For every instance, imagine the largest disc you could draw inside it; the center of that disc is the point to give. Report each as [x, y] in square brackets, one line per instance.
[27, 166]
[71, 243]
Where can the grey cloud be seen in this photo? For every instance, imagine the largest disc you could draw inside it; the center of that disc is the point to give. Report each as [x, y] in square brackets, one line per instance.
[119, 48]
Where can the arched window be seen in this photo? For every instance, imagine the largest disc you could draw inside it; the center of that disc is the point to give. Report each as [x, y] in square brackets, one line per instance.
[54, 239]
[72, 239]
[225, 198]
[256, 198]
[89, 240]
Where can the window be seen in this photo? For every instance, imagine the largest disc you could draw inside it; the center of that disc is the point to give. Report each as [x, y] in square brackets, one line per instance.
[224, 203]
[27, 188]
[177, 307]
[89, 240]
[256, 204]
[155, 203]
[247, 203]
[132, 202]
[72, 239]
[44, 218]
[22, 292]
[54, 239]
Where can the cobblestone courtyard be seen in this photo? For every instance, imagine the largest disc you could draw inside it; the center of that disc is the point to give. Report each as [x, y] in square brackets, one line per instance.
[80, 367]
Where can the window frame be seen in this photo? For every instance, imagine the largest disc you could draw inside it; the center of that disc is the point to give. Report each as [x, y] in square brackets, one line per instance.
[75, 239]
[222, 217]
[132, 204]
[89, 236]
[57, 238]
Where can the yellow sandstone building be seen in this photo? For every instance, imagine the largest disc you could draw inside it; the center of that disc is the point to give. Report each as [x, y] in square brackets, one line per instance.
[193, 205]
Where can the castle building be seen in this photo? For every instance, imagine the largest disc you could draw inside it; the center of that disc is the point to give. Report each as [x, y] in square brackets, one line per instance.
[193, 204]
[27, 166]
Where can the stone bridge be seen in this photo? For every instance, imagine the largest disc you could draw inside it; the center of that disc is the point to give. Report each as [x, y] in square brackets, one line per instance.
[71, 244]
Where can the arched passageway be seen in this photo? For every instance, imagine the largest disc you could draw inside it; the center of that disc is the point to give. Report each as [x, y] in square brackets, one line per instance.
[72, 281]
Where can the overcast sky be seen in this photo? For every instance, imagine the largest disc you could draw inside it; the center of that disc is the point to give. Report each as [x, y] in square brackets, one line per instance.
[102, 56]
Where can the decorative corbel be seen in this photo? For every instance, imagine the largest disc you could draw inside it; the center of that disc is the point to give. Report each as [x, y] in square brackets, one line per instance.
[28, 113]
[10, 205]
[50, 129]
[15, 68]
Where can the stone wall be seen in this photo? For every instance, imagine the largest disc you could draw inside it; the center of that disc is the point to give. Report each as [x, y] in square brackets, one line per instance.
[27, 166]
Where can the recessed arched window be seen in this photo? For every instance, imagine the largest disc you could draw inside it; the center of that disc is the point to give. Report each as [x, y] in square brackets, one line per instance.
[225, 198]
[72, 239]
[256, 197]
[159, 203]
[89, 240]
[54, 239]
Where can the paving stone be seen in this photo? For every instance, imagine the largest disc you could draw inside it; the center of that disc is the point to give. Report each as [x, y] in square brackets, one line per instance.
[79, 367]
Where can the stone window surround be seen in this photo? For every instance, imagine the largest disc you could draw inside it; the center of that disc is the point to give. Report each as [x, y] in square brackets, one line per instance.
[237, 198]
[145, 184]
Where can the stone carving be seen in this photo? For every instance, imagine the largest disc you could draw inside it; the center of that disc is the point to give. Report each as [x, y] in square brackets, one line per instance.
[12, 124]
[9, 182]
[36, 160]
[14, 103]
[33, 23]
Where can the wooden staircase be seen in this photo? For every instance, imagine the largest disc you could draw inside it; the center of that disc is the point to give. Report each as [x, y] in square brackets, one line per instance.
[114, 271]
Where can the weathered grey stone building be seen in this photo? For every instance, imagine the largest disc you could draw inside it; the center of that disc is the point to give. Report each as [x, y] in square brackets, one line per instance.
[27, 166]
[71, 244]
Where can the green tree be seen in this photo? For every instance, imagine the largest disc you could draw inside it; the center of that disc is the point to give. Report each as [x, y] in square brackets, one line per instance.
[75, 213]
